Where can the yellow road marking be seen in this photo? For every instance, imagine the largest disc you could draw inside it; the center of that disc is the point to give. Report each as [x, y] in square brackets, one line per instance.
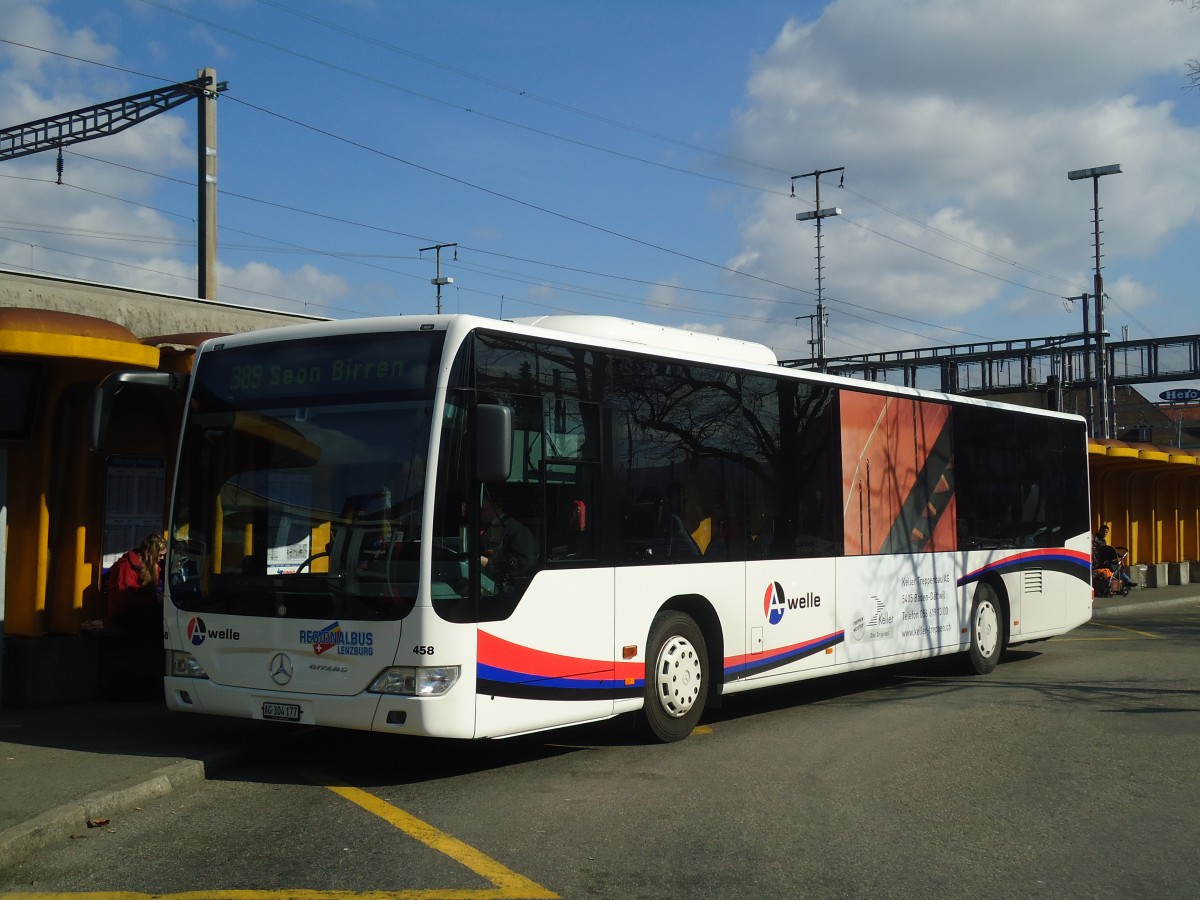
[1146, 634]
[290, 894]
[1157, 637]
[506, 884]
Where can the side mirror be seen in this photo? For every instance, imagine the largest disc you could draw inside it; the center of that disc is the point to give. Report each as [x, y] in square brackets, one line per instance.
[493, 442]
[103, 397]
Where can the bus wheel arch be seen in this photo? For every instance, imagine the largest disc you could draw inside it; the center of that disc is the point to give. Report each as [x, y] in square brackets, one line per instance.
[702, 613]
[987, 627]
[680, 669]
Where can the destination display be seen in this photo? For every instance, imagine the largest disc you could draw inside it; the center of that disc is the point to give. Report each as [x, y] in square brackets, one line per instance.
[324, 367]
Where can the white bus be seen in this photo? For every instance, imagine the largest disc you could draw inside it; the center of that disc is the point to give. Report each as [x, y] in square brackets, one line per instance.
[459, 527]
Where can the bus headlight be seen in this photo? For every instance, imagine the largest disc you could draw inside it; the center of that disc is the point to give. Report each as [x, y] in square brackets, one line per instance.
[184, 665]
[415, 681]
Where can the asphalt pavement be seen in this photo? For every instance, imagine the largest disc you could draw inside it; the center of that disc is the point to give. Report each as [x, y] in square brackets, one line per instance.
[65, 769]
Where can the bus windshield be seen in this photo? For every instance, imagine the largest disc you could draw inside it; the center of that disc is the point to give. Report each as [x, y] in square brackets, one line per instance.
[301, 479]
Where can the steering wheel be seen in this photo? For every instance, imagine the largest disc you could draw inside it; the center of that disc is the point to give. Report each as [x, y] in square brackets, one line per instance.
[308, 562]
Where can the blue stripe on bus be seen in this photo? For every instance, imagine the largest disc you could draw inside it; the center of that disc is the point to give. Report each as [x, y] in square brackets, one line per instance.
[498, 682]
[784, 657]
[1069, 562]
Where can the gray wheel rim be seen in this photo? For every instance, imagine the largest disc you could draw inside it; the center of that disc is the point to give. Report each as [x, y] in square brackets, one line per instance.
[987, 628]
[678, 676]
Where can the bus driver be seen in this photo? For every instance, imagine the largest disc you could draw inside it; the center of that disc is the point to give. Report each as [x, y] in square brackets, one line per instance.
[509, 546]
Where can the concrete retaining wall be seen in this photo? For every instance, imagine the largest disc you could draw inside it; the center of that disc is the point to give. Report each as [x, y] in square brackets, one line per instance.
[144, 313]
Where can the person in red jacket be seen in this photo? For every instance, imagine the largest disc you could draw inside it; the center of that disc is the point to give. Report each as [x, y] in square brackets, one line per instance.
[135, 587]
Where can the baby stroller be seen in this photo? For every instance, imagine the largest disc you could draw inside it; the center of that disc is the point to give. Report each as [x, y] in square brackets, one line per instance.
[1110, 571]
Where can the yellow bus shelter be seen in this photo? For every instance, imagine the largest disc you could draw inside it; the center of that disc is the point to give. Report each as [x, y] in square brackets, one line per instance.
[67, 511]
[1150, 496]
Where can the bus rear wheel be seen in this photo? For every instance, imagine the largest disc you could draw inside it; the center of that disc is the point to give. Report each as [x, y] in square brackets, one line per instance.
[987, 630]
[676, 678]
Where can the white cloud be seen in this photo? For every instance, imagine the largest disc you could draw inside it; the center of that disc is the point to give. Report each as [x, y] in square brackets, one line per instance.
[965, 117]
[541, 292]
[306, 289]
[665, 295]
[704, 327]
[105, 223]
[32, 25]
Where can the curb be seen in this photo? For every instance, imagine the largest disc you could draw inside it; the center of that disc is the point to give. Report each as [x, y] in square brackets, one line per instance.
[17, 842]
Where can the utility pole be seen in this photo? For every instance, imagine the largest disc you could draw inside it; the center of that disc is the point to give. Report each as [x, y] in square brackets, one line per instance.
[1100, 428]
[91, 122]
[206, 180]
[440, 279]
[817, 215]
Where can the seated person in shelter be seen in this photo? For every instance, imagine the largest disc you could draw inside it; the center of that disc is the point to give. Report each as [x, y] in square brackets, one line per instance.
[1107, 557]
[510, 550]
[135, 587]
[1102, 553]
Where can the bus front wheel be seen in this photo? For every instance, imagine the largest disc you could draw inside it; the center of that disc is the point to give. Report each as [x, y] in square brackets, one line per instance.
[987, 630]
[676, 678]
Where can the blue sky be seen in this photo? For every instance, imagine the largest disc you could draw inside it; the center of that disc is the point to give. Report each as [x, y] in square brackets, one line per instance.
[632, 159]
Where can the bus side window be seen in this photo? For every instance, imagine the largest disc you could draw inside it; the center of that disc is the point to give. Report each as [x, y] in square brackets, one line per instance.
[571, 512]
[570, 475]
[514, 541]
[793, 502]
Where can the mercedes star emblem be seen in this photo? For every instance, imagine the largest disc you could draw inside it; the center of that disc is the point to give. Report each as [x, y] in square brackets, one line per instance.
[280, 668]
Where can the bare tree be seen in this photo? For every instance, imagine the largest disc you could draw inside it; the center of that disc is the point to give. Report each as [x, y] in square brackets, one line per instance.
[1193, 65]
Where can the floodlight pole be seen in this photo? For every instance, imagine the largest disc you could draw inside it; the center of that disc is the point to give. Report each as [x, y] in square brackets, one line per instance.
[1100, 426]
[817, 215]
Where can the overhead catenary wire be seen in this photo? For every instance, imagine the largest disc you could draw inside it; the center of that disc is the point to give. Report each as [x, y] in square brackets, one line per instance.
[650, 244]
[846, 306]
[642, 301]
[524, 93]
